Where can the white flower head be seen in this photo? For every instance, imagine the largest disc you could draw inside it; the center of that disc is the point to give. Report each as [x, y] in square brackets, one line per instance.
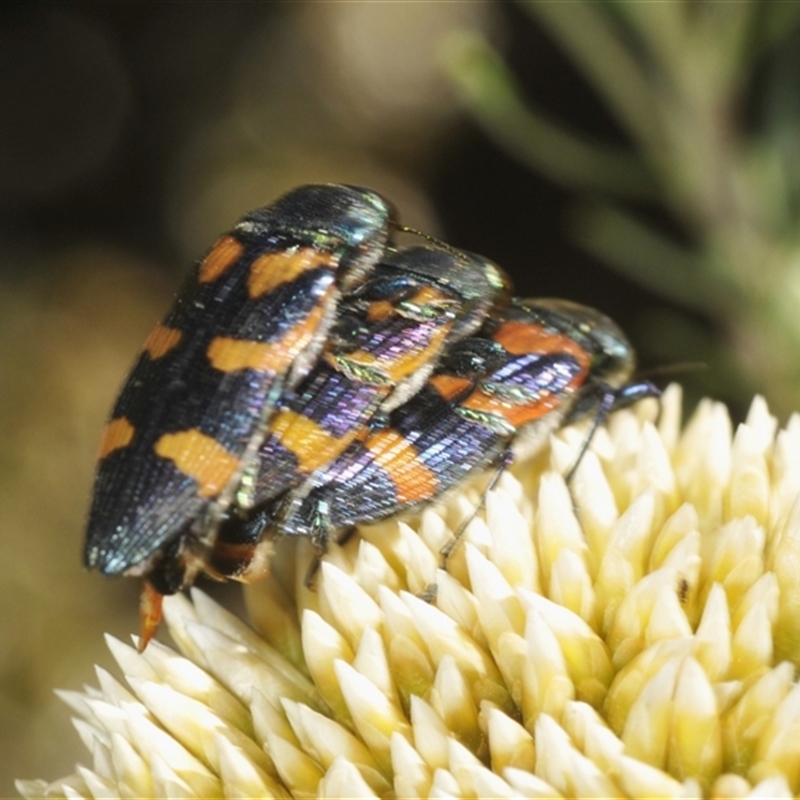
[634, 634]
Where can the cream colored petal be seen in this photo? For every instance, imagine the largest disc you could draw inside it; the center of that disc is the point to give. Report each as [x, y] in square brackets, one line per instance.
[778, 749]
[116, 719]
[430, 734]
[325, 739]
[102, 761]
[372, 570]
[733, 556]
[375, 717]
[269, 718]
[773, 787]
[653, 468]
[595, 505]
[298, 772]
[412, 777]
[682, 524]
[648, 724]
[112, 689]
[713, 636]
[764, 592]
[510, 745]
[444, 786]
[784, 560]
[528, 785]
[345, 605]
[623, 562]
[639, 779]
[171, 782]
[749, 718]
[90, 735]
[323, 646]
[511, 549]
[177, 612]
[450, 697]
[748, 487]
[462, 764]
[669, 418]
[243, 671]
[372, 661]
[272, 612]
[411, 667]
[546, 683]
[130, 768]
[159, 748]
[98, 788]
[240, 776]
[729, 785]
[443, 637]
[585, 655]
[695, 742]
[343, 780]
[220, 628]
[498, 607]
[433, 529]
[33, 789]
[419, 564]
[194, 725]
[556, 527]
[571, 586]
[488, 784]
[160, 663]
[460, 604]
[513, 658]
[648, 613]
[752, 640]
[561, 765]
[763, 425]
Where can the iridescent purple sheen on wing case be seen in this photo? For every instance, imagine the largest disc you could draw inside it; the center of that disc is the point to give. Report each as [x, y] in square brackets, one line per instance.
[388, 337]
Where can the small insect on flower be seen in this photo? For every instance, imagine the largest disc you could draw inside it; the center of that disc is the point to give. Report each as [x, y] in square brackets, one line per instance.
[495, 397]
[386, 341]
[248, 325]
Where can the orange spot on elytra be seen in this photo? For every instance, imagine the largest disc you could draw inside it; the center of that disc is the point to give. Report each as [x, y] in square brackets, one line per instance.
[518, 413]
[200, 457]
[228, 355]
[449, 386]
[273, 269]
[380, 310]
[414, 359]
[161, 340]
[413, 481]
[520, 338]
[308, 441]
[225, 252]
[118, 433]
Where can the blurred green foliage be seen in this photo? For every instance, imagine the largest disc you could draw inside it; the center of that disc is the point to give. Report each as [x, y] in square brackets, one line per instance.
[713, 140]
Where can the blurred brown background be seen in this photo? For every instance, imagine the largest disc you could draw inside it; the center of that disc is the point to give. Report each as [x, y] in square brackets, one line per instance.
[641, 161]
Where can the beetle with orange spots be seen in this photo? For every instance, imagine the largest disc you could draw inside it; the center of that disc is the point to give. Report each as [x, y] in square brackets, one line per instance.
[247, 326]
[387, 339]
[496, 397]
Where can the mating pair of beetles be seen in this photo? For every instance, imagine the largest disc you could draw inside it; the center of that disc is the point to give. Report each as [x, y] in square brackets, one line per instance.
[313, 375]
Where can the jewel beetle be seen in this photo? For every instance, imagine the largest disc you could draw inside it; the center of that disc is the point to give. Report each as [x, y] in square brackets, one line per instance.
[496, 397]
[247, 325]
